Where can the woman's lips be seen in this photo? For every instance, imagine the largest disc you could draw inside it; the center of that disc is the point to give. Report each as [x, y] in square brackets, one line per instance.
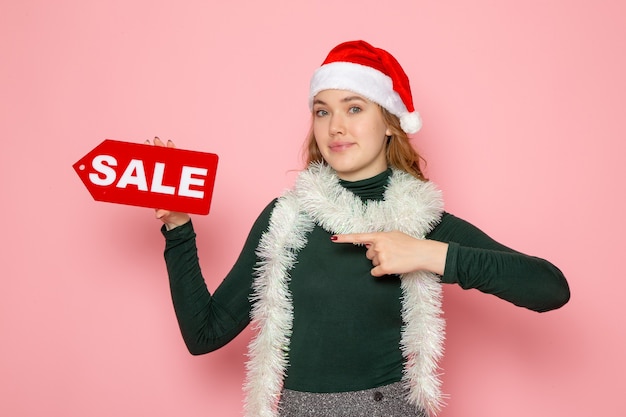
[340, 146]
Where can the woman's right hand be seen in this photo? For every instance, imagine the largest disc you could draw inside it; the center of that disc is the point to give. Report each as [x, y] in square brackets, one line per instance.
[171, 219]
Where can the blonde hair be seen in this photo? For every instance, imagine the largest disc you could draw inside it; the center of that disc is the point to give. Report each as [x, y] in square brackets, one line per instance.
[400, 152]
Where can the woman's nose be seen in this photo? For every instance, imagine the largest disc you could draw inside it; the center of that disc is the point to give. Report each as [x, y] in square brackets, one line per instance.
[337, 125]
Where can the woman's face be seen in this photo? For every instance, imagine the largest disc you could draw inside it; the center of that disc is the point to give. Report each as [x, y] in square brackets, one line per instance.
[350, 133]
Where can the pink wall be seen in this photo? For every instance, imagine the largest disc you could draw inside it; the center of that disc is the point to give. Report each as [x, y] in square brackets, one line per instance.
[524, 115]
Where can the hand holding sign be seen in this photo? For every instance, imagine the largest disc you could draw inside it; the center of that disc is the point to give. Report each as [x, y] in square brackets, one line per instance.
[171, 219]
[149, 176]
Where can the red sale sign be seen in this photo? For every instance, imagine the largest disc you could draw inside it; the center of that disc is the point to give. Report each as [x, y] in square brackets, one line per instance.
[149, 176]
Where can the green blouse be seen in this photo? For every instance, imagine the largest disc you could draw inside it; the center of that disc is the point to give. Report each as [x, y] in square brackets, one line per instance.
[346, 328]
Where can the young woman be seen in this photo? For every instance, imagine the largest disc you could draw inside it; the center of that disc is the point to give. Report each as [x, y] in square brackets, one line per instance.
[341, 276]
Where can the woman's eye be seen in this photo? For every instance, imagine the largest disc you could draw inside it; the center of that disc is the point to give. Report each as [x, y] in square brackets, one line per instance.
[355, 109]
[321, 113]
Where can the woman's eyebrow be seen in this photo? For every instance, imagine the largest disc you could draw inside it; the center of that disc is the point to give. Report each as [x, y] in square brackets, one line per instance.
[343, 100]
[352, 98]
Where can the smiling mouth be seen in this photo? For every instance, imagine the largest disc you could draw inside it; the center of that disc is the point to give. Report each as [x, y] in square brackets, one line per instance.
[340, 146]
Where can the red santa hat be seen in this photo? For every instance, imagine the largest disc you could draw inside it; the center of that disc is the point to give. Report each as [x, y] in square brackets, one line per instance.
[371, 72]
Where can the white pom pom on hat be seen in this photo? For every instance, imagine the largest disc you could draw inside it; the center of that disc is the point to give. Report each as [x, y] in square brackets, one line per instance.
[371, 72]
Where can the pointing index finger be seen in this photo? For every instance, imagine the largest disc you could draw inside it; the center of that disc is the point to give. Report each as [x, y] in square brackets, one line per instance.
[359, 238]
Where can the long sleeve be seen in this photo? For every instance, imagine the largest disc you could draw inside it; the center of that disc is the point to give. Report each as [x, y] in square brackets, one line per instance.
[209, 321]
[477, 261]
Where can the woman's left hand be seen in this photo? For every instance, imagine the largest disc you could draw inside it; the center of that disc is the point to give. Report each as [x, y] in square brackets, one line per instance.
[398, 253]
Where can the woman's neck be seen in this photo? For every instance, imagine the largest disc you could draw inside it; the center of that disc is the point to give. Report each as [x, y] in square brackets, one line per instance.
[372, 188]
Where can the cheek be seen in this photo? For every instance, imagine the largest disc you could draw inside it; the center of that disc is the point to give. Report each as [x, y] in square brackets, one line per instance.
[318, 129]
[374, 133]
[319, 139]
[319, 145]
[317, 134]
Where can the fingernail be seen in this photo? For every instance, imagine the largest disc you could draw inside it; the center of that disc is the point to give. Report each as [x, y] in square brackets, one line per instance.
[157, 138]
[333, 237]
